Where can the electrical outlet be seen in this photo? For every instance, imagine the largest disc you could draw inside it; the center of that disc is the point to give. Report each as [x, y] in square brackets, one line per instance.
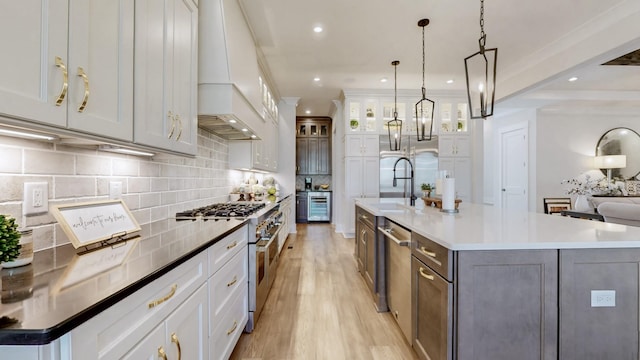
[115, 190]
[36, 198]
[603, 298]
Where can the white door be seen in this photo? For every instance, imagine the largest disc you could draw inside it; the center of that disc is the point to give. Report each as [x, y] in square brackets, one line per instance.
[33, 34]
[514, 168]
[371, 177]
[100, 99]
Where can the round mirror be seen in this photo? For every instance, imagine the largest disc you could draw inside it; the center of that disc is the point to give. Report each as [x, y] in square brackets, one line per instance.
[621, 141]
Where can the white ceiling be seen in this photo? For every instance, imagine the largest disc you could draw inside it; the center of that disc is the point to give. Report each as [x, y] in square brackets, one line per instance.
[541, 43]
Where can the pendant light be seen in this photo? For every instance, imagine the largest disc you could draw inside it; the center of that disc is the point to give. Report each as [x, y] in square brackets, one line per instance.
[424, 107]
[395, 126]
[480, 70]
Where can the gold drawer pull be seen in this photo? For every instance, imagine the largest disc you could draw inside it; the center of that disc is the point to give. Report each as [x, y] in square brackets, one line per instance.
[425, 275]
[65, 81]
[179, 124]
[427, 252]
[173, 124]
[235, 325]
[85, 99]
[174, 339]
[167, 297]
[161, 354]
[232, 245]
[235, 280]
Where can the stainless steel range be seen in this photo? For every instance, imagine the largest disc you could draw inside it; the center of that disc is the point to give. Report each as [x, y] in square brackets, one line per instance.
[264, 221]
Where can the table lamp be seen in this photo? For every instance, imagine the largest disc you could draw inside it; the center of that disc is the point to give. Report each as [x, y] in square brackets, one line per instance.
[610, 162]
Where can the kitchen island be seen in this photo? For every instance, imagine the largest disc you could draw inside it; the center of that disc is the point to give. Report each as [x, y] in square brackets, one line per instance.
[489, 283]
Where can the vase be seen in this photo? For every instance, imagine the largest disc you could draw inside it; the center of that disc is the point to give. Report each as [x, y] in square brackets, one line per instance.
[582, 203]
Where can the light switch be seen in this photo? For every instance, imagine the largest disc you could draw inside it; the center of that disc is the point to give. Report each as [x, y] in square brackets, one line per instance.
[603, 298]
[36, 198]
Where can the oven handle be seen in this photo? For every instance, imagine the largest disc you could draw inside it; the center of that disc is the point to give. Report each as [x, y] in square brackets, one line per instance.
[263, 248]
[387, 233]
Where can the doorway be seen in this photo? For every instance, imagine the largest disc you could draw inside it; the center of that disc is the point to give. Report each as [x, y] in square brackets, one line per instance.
[514, 167]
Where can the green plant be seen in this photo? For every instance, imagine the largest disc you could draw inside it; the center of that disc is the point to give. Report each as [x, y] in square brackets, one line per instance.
[426, 187]
[353, 124]
[9, 239]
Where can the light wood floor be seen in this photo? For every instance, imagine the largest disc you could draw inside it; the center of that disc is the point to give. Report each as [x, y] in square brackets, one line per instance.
[319, 307]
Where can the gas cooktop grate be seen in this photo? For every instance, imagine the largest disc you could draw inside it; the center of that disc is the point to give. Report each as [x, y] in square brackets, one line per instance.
[222, 210]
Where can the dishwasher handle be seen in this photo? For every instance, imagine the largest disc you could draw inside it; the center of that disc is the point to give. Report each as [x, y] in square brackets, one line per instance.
[387, 233]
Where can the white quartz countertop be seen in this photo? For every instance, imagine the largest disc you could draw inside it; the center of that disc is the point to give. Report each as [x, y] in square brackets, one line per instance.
[484, 227]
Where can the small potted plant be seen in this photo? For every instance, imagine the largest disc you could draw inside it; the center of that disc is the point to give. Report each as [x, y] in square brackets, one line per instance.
[426, 189]
[353, 123]
[9, 239]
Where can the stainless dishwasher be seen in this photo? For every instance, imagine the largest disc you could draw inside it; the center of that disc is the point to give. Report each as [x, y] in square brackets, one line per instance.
[319, 206]
[398, 244]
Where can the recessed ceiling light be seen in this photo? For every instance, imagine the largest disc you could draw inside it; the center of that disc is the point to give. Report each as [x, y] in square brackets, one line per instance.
[232, 121]
[316, 79]
[572, 79]
[384, 80]
[308, 112]
[317, 29]
[450, 81]
[253, 136]
[245, 129]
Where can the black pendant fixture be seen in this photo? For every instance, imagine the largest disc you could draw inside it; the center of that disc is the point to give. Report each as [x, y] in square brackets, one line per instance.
[424, 107]
[480, 70]
[395, 126]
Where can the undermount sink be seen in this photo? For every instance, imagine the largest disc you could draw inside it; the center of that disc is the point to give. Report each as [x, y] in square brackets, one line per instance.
[391, 207]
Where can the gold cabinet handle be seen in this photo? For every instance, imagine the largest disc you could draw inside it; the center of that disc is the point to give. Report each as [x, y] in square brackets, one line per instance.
[235, 280]
[165, 298]
[235, 325]
[427, 252]
[161, 354]
[85, 99]
[65, 81]
[179, 120]
[174, 339]
[425, 275]
[173, 124]
[232, 245]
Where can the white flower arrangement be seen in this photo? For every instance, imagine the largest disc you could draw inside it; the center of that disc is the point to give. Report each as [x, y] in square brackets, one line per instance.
[587, 183]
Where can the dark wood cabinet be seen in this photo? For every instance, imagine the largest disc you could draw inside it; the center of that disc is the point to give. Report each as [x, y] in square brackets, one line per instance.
[313, 146]
[301, 208]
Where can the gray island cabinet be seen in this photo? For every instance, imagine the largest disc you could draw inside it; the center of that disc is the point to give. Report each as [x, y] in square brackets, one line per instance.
[494, 284]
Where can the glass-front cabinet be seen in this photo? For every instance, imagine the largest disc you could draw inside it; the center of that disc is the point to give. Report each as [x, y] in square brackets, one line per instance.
[371, 114]
[363, 116]
[453, 116]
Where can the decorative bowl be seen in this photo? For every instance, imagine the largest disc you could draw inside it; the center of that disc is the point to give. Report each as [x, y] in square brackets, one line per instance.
[324, 186]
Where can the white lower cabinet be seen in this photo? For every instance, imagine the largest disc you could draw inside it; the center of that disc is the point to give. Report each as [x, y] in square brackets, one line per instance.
[228, 297]
[196, 311]
[132, 322]
[181, 336]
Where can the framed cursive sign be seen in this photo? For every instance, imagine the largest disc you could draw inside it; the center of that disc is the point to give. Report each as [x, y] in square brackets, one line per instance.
[89, 223]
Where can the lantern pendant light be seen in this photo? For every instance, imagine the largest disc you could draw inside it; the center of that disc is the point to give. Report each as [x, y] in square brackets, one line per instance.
[424, 107]
[480, 70]
[395, 126]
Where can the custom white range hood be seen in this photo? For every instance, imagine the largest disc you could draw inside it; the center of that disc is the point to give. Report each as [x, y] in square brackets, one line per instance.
[228, 73]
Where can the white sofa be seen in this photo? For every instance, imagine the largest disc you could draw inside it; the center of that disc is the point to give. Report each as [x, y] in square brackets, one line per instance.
[620, 212]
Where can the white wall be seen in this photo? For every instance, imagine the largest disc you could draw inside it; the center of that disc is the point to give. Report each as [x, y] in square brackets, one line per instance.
[562, 145]
[567, 143]
[337, 166]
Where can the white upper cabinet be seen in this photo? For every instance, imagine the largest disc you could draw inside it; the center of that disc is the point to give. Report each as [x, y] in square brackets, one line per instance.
[166, 74]
[33, 34]
[69, 64]
[100, 98]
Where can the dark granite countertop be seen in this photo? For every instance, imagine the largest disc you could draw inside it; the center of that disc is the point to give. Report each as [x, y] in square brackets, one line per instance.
[50, 297]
